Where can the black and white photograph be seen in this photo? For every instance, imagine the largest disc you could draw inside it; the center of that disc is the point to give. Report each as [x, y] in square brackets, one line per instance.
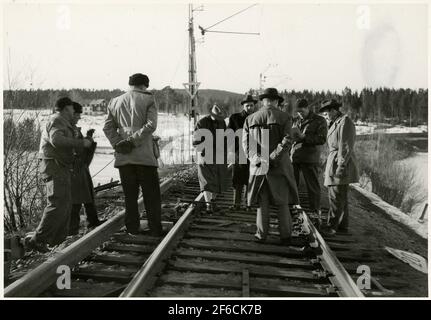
[215, 150]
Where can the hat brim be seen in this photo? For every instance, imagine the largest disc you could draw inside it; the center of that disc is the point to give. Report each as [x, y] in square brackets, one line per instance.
[247, 101]
[331, 106]
[263, 96]
[219, 116]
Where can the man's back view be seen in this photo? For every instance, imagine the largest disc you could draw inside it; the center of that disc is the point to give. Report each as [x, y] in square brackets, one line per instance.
[131, 120]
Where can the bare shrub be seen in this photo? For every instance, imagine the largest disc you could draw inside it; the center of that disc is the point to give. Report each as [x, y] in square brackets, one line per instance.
[377, 158]
[23, 193]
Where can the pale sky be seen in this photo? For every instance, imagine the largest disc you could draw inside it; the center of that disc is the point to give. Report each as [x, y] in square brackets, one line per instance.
[309, 46]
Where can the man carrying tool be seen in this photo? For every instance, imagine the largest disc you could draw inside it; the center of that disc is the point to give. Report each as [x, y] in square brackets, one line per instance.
[268, 132]
[305, 152]
[131, 120]
[341, 169]
[240, 170]
[56, 151]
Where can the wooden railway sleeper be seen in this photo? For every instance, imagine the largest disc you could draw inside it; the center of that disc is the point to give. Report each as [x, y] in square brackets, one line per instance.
[331, 290]
[320, 274]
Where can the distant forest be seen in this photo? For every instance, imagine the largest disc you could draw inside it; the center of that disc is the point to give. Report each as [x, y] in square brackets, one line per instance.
[373, 105]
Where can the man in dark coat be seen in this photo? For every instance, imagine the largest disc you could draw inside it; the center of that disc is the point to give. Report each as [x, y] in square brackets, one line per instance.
[306, 150]
[341, 169]
[211, 173]
[82, 184]
[240, 170]
[268, 131]
[56, 150]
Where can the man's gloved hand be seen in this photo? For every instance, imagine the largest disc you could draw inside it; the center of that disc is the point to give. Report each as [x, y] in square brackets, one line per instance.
[124, 147]
[90, 133]
[87, 143]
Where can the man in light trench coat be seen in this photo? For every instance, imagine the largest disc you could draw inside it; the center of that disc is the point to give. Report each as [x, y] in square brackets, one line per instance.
[129, 127]
[267, 132]
[341, 169]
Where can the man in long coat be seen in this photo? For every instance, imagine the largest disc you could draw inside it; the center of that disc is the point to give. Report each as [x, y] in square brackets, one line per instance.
[240, 170]
[82, 184]
[271, 179]
[56, 150]
[211, 173]
[306, 150]
[129, 127]
[341, 169]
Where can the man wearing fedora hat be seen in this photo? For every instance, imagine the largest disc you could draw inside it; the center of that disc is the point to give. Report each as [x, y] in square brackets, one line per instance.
[211, 174]
[271, 178]
[240, 171]
[131, 121]
[341, 169]
[306, 150]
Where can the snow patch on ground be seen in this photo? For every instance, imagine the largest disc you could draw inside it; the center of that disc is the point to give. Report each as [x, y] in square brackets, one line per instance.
[420, 228]
[175, 132]
[363, 128]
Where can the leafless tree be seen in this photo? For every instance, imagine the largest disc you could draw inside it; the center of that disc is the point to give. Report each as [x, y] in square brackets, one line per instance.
[23, 192]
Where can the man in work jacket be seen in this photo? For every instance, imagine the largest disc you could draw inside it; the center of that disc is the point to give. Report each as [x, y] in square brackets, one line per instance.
[306, 150]
[341, 169]
[56, 153]
[131, 121]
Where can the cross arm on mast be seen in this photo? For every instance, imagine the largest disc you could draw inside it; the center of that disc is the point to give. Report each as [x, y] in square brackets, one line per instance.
[232, 32]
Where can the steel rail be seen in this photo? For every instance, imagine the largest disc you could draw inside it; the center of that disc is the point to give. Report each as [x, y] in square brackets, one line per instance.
[143, 279]
[344, 285]
[36, 281]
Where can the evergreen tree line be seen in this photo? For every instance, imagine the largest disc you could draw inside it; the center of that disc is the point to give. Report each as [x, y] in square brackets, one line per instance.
[384, 105]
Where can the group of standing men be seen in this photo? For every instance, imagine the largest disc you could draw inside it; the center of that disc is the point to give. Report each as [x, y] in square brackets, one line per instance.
[294, 146]
[65, 155]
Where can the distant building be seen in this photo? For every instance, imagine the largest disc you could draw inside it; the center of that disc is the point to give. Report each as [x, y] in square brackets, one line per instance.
[95, 107]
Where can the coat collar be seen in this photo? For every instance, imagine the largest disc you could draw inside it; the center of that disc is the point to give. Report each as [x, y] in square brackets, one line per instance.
[311, 117]
[244, 113]
[336, 123]
[141, 91]
[64, 120]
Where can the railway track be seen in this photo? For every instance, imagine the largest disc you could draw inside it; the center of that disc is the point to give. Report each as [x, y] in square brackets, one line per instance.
[201, 256]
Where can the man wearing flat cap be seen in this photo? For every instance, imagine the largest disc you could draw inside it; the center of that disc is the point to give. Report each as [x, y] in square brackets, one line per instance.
[56, 151]
[266, 141]
[306, 150]
[129, 127]
[240, 170]
[341, 169]
[211, 173]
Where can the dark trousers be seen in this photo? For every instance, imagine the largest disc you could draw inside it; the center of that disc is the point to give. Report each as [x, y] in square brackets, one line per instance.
[90, 211]
[134, 177]
[240, 176]
[310, 172]
[338, 206]
[237, 194]
[53, 226]
[263, 216]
